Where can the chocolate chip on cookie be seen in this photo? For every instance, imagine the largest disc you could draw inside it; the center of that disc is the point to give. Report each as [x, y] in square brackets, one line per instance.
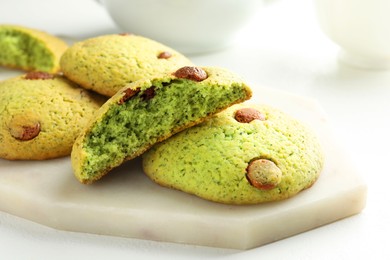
[247, 115]
[128, 93]
[263, 174]
[34, 75]
[26, 132]
[164, 55]
[192, 73]
[148, 94]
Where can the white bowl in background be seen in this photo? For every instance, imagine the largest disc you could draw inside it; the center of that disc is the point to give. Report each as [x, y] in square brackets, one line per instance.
[360, 27]
[189, 26]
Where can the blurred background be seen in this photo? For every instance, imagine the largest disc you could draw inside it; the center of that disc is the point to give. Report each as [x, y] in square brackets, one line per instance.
[282, 48]
[74, 18]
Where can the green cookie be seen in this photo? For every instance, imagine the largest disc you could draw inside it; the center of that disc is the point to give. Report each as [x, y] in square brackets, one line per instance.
[149, 111]
[29, 49]
[107, 63]
[246, 154]
[41, 115]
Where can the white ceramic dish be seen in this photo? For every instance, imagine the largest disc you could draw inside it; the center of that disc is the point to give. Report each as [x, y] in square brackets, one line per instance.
[190, 26]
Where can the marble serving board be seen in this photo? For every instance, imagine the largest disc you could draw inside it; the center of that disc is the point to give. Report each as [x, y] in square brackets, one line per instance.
[126, 203]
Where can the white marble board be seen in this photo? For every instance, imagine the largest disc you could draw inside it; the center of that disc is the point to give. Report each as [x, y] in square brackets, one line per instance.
[126, 203]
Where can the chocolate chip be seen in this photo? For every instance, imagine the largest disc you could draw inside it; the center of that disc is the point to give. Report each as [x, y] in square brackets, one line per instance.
[26, 132]
[128, 93]
[247, 115]
[124, 34]
[148, 94]
[164, 55]
[192, 73]
[33, 75]
[263, 174]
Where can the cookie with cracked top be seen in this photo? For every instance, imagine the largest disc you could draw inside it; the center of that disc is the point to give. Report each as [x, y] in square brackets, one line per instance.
[107, 63]
[41, 114]
[247, 154]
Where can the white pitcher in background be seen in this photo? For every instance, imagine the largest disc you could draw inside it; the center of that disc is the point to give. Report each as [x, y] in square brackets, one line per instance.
[361, 28]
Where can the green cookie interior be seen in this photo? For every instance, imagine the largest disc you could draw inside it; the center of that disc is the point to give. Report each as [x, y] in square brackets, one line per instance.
[21, 50]
[159, 109]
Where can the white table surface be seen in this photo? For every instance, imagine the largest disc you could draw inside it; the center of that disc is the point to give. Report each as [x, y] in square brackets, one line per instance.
[282, 49]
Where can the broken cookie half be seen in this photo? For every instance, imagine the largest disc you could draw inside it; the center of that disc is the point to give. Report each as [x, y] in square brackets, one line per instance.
[30, 49]
[149, 111]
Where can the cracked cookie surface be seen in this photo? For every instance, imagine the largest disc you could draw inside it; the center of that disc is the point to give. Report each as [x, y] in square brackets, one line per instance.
[107, 63]
[246, 154]
[41, 114]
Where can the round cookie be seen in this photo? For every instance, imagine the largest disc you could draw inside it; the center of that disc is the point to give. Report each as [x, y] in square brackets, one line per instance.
[41, 116]
[30, 49]
[246, 154]
[106, 63]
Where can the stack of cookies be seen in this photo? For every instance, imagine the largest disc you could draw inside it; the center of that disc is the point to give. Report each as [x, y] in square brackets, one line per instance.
[121, 96]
